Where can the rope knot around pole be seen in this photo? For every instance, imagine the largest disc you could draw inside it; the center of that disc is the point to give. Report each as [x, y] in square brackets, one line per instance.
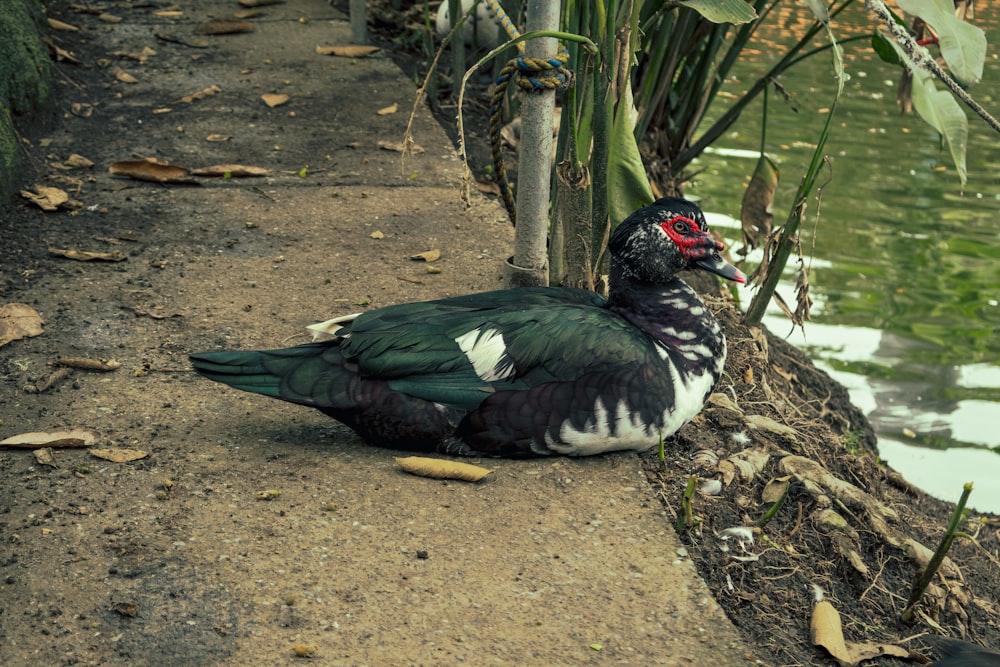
[531, 75]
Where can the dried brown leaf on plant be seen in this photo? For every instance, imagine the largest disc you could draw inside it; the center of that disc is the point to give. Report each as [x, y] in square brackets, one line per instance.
[223, 27]
[230, 171]
[274, 99]
[347, 51]
[204, 92]
[756, 211]
[77, 437]
[156, 172]
[88, 256]
[17, 321]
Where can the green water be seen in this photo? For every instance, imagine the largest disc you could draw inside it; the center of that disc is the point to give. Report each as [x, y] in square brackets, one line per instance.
[906, 275]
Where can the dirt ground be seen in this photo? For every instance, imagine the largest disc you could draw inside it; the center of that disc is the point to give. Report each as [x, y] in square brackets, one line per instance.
[173, 559]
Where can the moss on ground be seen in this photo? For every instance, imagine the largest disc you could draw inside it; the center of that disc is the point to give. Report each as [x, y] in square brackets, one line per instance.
[25, 80]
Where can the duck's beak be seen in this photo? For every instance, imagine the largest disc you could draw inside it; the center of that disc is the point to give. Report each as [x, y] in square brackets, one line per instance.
[719, 266]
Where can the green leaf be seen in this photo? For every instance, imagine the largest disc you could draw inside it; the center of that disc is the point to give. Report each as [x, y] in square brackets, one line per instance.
[628, 187]
[722, 11]
[963, 45]
[942, 112]
[883, 48]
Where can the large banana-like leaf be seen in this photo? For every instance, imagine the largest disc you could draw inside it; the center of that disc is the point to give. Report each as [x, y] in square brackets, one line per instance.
[722, 11]
[963, 45]
[628, 187]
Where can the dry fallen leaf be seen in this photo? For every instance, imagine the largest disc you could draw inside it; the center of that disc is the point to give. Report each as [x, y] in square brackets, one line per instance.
[223, 27]
[143, 170]
[391, 109]
[441, 468]
[87, 364]
[51, 380]
[124, 76]
[88, 256]
[46, 198]
[488, 187]
[119, 455]
[260, 3]
[18, 320]
[204, 92]
[169, 13]
[429, 256]
[274, 100]
[828, 632]
[44, 457]
[75, 161]
[348, 51]
[230, 171]
[193, 42]
[82, 109]
[139, 56]
[218, 137]
[377, 235]
[60, 53]
[399, 146]
[56, 24]
[77, 437]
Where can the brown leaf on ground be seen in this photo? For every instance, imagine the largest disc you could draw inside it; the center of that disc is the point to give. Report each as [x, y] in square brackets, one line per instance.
[46, 198]
[87, 364]
[143, 170]
[274, 100]
[81, 109]
[49, 381]
[60, 53]
[76, 161]
[19, 320]
[87, 255]
[44, 457]
[204, 92]
[193, 42]
[399, 146]
[223, 27]
[124, 76]
[56, 24]
[488, 187]
[429, 256]
[347, 51]
[260, 3]
[441, 468]
[391, 109]
[218, 137]
[230, 171]
[119, 455]
[139, 56]
[77, 437]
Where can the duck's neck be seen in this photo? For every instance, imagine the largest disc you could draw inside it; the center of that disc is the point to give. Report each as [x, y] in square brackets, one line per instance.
[672, 314]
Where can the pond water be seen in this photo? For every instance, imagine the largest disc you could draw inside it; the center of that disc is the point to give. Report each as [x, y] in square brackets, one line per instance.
[905, 272]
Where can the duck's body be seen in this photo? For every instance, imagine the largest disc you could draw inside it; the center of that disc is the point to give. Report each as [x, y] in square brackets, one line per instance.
[521, 372]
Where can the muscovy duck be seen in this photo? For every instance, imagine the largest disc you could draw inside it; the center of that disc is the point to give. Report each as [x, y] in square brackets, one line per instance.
[520, 372]
[957, 653]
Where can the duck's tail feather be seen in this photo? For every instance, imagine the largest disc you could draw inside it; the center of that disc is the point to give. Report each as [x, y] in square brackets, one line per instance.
[304, 374]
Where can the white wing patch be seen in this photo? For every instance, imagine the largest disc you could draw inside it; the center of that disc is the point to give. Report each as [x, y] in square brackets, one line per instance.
[487, 352]
[328, 329]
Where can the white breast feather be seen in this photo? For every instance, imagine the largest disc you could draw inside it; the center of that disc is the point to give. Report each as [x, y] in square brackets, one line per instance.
[487, 352]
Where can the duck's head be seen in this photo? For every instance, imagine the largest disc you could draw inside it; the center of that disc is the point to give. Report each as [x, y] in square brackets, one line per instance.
[669, 235]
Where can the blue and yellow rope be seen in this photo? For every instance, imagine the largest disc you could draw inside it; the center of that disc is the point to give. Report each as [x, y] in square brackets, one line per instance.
[531, 75]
